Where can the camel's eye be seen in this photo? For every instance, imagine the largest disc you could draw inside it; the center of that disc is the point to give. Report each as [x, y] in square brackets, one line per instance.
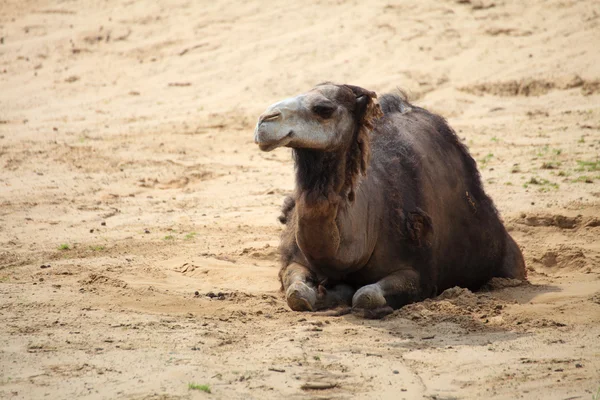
[324, 110]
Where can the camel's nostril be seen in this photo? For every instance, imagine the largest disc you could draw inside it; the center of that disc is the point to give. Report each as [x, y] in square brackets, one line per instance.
[270, 117]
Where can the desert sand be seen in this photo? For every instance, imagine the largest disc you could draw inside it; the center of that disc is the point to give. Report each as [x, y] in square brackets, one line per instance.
[138, 220]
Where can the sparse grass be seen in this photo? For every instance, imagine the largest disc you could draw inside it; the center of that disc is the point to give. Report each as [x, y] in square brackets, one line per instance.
[495, 139]
[4, 279]
[97, 248]
[483, 162]
[584, 179]
[190, 236]
[169, 237]
[508, 183]
[551, 165]
[195, 386]
[581, 140]
[543, 151]
[318, 358]
[597, 395]
[588, 165]
[64, 247]
[545, 183]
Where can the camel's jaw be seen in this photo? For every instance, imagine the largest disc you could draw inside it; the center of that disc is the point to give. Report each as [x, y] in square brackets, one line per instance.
[266, 143]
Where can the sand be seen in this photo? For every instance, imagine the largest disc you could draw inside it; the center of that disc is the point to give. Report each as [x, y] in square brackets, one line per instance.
[138, 220]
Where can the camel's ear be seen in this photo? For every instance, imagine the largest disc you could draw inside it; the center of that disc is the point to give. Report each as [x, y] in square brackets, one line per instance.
[367, 109]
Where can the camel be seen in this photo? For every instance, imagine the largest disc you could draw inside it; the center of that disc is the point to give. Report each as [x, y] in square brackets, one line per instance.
[388, 207]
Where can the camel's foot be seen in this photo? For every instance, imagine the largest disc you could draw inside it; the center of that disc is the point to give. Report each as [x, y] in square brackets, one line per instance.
[301, 297]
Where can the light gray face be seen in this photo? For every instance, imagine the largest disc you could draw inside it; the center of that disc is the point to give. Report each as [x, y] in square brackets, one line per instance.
[313, 120]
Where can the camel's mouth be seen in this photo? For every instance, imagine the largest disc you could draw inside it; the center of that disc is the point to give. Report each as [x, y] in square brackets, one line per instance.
[278, 143]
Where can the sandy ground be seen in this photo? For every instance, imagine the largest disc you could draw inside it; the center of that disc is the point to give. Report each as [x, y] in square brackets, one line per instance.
[138, 228]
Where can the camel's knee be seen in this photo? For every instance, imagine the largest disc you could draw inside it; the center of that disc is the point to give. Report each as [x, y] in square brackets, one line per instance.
[292, 273]
[369, 302]
[513, 265]
[369, 297]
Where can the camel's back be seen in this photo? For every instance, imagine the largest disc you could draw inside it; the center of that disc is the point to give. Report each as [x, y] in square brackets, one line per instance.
[424, 144]
[420, 156]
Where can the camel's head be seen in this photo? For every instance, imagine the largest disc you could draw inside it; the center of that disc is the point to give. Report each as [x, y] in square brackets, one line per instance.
[326, 118]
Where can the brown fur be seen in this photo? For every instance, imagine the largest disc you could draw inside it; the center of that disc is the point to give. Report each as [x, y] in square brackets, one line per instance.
[360, 149]
[399, 205]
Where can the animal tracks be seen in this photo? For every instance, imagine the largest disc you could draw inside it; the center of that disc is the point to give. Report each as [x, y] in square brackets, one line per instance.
[533, 87]
[559, 221]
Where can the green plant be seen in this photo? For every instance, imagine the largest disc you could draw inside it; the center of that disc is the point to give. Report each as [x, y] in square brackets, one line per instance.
[543, 151]
[64, 246]
[583, 178]
[190, 236]
[97, 248]
[545, 183]
[169, 237]
[195, 386]
[551, 165]
[317, 358]
[588, 165]
[486, 159]
[597, 395]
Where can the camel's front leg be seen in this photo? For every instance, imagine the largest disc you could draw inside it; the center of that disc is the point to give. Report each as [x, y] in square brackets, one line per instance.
[395, 290]
[298, 285]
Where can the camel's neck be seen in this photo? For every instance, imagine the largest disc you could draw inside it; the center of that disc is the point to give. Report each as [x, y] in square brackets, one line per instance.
[320, 185]
[319, 174]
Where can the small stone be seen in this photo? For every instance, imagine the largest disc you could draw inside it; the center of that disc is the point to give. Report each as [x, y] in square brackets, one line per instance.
[396, 372]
